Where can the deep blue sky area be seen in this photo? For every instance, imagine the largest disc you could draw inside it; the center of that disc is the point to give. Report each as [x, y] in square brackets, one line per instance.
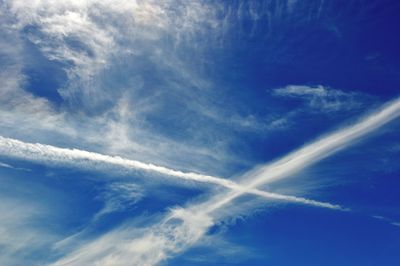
[200, 132]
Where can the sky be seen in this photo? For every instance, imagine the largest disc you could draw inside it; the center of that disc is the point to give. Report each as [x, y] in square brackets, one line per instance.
[199, 132]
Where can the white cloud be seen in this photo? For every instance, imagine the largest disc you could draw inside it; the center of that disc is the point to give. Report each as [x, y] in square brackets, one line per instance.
[5, 165]
[396, 224]
[88, 34]
[118, 197]
[20, 110]
[321, 98]
[103, 46]
[18, 233]
[25, 225]
[142, 247]
[386, 219]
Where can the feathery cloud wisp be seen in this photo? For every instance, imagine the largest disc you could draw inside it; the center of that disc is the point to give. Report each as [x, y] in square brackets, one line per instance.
[321, 98]
[5, 165]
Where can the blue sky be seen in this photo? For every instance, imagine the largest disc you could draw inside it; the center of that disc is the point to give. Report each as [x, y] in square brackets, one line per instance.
[199, 132]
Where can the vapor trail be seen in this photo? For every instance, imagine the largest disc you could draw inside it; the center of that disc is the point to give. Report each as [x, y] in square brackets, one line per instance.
[50, 154]
[312, 152]
[181, 228]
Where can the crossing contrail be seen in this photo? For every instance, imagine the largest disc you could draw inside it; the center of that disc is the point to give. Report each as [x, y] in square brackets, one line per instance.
[50, 154]
[183, 227]
[313, 152]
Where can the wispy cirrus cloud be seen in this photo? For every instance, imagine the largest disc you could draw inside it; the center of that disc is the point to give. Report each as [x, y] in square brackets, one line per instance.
[26, 230]
[119, 196]
[321, 98]
[9, 166]
[21, 110]
[116, 30]
[107, 50]
[386, 219]
[20, 231]
[5, 165]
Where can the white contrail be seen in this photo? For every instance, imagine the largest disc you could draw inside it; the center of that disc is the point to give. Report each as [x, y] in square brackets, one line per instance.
[313, 152]
[326, 146]
[51, 154]
[182, 228]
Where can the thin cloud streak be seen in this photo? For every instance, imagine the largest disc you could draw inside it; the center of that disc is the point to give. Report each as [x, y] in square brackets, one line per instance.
[4, 165]
[50, 154]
